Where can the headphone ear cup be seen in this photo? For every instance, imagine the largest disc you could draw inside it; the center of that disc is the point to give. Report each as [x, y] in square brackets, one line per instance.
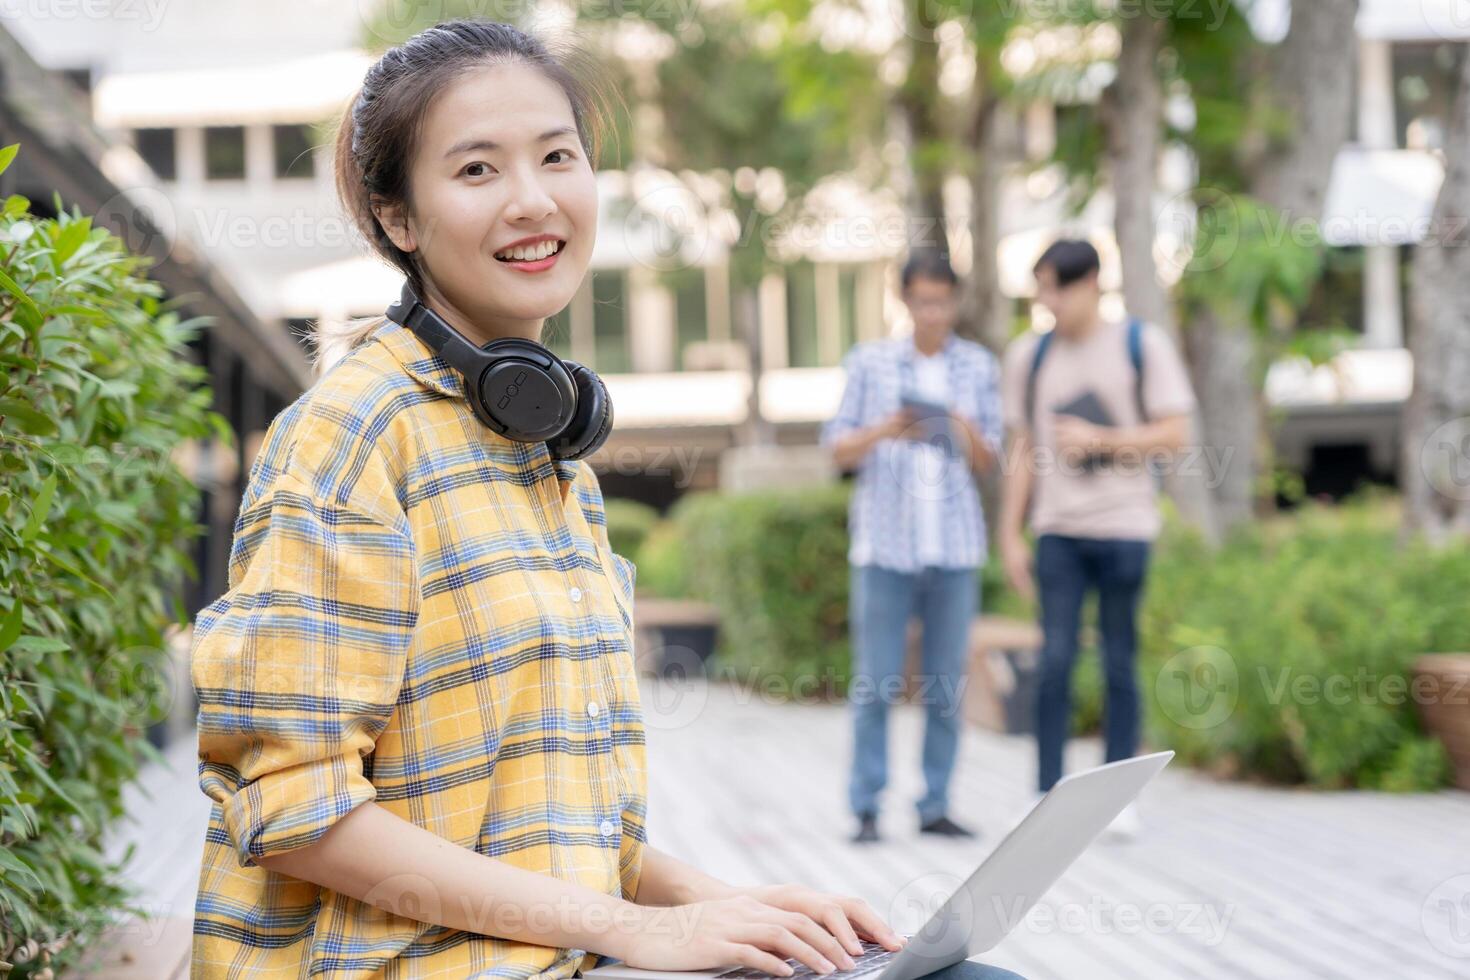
[593, 421]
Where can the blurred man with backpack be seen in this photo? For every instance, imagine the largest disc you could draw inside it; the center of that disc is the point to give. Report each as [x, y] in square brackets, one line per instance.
[1091, 406]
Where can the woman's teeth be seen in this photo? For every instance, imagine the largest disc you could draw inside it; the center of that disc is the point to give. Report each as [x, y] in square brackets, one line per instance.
[529, 253]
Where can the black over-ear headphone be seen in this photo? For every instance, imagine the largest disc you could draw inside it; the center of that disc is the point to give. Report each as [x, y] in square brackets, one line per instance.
[516, 386]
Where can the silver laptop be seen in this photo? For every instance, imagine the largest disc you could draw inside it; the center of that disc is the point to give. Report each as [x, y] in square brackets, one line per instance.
[994, 899]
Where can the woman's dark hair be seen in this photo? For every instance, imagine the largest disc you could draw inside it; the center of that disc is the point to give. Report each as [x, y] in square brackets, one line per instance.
[377, 134]
[927, 265]
[1071, 258]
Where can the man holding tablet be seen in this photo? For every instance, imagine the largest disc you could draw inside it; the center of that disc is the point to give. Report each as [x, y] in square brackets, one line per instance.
[919, 419]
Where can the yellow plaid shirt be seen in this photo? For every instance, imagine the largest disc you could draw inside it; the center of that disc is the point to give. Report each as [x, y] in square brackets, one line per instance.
[426, 614]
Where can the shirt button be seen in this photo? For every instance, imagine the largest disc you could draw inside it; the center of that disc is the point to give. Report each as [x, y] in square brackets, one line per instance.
[606, 828]
[576, 594]
[592, 709]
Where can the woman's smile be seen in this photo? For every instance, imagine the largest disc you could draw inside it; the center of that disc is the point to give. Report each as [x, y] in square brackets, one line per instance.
[532, 255]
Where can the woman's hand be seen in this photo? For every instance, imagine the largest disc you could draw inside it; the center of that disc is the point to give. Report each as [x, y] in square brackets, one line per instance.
[745, 930]
[849, 919]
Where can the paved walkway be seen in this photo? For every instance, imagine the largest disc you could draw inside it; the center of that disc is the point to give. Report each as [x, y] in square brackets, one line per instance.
[1228, 880]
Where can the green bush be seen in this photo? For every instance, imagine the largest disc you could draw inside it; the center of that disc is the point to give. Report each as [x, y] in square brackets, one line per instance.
[628, 523]
[775, 565]
[662, 569]
[1288, 653]
[96, 391]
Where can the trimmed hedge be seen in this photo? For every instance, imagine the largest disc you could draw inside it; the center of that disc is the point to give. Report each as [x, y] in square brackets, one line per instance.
[1288, 653]
[775, 564]
[1244, 652]
[96, 392]
[628, 523]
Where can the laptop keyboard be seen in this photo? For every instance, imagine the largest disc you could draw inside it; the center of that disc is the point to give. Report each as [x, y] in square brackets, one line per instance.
[873, 958]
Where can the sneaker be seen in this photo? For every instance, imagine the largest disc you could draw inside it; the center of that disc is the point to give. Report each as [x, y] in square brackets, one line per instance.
[945, 827]
[867, 829]
[1126, 825]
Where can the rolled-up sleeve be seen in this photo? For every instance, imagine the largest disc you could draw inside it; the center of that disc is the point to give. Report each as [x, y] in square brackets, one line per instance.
[298, 666]
[849, 415]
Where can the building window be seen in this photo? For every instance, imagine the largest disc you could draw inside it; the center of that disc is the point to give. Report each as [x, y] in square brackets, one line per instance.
[612, 353]
[158, 148]
[224, 152]
[801, 315]
[691, 315]
[293, 151]
[1424, 92]
[847, 301]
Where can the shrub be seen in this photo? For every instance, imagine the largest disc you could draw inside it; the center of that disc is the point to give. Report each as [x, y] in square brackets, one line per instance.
[775, 565]
[96, 391]
[1288, 653]
[662, 569]
[628, 523]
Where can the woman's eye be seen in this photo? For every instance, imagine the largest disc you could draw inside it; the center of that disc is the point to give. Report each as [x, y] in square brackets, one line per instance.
[566, 154]
[470, 166]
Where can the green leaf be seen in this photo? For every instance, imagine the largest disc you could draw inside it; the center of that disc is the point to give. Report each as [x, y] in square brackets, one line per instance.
[41, 644]
[68, 240]
[26, 418]
[39, 510]
[27, 304]
[14, 623]
[7, 154]
[39, 771]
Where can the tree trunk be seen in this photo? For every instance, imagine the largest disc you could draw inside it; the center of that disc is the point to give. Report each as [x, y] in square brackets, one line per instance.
[984, 310]
[1312, 82]
[1436, 431]
[919, 100]
[1132, 113]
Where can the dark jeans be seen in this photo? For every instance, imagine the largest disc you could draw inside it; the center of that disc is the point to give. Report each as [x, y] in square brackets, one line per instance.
[1066, 568]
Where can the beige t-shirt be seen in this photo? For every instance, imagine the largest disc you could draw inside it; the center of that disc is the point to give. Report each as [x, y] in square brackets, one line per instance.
[1116, 499]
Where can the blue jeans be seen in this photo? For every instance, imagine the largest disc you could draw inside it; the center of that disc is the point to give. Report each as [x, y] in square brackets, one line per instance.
[1065, 569]
[882, 603]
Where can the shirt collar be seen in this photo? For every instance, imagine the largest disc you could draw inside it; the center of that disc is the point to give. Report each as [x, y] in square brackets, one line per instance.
[910, 350]
[436, 374]
[421, 363]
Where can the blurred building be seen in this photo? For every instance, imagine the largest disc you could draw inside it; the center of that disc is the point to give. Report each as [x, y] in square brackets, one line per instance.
[232, 107]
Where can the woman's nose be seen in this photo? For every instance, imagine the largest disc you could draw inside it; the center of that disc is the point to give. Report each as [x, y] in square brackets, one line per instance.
[529, 199]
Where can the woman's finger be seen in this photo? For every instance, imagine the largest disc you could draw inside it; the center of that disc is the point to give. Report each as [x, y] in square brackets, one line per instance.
[811, 930]
[784, 943]
[834, 917]
[758, 959]
[862, 915]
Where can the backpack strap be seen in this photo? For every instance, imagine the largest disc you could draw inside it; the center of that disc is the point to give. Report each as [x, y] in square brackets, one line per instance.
[1135, 355]
[1042, 345]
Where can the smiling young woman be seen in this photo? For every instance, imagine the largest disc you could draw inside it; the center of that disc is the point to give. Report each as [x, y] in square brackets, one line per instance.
[419, 718]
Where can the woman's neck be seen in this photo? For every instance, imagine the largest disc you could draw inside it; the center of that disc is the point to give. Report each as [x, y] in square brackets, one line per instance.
[480, 330]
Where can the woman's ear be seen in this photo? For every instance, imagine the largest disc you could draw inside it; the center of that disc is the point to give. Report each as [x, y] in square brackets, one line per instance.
[394, 219]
